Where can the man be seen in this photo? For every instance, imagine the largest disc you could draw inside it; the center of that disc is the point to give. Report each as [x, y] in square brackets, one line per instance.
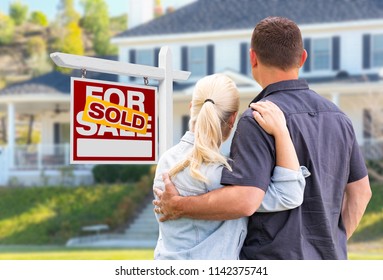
[338, 190]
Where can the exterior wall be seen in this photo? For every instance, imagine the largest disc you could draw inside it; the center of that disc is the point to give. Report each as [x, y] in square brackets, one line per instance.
[351, 45]
[227, 45]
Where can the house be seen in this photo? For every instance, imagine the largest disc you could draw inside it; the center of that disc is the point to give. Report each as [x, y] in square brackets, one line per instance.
[46, 97]
[344, 41]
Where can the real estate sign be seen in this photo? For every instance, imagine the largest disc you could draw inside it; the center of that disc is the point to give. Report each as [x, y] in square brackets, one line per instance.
[113, 122]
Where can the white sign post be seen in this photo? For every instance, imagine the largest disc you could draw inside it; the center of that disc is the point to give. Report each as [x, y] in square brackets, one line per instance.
[164, 74]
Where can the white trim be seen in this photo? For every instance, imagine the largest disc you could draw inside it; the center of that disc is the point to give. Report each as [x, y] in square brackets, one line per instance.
[341, 26]
[34, 97]
[200, 36]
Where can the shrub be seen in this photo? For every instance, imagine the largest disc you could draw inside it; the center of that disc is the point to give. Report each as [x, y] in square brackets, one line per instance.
[7, 27]
[116, 173]
[39, 18]
[18, 12]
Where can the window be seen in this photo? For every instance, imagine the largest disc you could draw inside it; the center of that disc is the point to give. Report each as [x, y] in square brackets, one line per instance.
[145, 57]
[197, 61]
[321, 51]
[377, 50]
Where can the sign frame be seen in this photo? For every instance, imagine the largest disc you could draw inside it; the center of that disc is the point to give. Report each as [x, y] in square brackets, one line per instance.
[164, 74]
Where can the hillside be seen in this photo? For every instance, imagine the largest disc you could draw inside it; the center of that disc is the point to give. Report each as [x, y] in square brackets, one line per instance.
[28, 53]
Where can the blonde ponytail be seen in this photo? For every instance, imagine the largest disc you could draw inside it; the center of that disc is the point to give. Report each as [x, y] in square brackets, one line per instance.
[215, 99]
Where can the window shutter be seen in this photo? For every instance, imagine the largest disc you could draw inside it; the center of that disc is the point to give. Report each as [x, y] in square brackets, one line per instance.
[184, 58]
[366, 51]
[307, 46]
[210, 59]
[132, 59]
[156, 53]
[336, 53]
[244, 55]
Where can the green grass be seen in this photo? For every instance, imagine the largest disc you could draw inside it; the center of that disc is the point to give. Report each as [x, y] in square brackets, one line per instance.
[367, 241]
[370, 228]
[366, 256]
[52, 215]
[64, 253]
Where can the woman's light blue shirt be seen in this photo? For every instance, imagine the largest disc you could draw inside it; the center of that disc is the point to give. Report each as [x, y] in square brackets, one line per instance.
[205, 239]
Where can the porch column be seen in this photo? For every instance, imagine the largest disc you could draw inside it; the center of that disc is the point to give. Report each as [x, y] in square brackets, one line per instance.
[335, 98]
[11, 135]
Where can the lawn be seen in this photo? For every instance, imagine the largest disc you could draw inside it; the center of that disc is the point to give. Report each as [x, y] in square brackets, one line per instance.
[42, 216]
[357, 252]
[65, 253]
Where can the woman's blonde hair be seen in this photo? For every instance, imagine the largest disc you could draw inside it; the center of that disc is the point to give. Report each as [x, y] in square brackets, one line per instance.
[215, 99]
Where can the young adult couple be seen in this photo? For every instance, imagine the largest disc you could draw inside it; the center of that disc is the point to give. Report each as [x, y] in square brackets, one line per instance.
[295, 185]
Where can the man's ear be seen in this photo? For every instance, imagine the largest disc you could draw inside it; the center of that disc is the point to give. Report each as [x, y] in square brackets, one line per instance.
[253, 58]
[232, 119]
[303, 58]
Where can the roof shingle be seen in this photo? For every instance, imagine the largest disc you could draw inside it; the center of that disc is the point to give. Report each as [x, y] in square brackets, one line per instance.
[219, 15]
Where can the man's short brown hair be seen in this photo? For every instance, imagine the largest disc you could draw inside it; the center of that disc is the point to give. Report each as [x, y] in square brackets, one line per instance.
[277, 42]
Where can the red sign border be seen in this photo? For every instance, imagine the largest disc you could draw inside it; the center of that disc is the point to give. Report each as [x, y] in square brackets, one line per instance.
[114, 160]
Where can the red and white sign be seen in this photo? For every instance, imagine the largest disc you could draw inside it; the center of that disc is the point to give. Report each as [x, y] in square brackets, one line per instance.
[112, 122]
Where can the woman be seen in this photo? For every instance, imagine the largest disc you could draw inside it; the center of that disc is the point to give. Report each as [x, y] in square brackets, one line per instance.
[195, 165]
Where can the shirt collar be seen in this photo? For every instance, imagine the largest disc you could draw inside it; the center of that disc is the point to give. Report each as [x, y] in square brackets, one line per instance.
[188, 137]
[281, 86]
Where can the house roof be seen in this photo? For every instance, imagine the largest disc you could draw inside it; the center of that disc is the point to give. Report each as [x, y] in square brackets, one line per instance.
[220, 15]
[52, 83]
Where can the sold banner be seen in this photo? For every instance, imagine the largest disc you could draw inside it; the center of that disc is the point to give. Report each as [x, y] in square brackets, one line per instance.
[112, 122]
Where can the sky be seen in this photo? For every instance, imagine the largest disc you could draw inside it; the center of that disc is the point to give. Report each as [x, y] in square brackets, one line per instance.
[49, 7]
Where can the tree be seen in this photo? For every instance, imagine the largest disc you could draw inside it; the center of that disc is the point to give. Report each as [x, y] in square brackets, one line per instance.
[118, 23]
[72, 42]
[7, 28]
[67, 13]
[18, 12]
[39, 18]
[96, 22]
[69, 33]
